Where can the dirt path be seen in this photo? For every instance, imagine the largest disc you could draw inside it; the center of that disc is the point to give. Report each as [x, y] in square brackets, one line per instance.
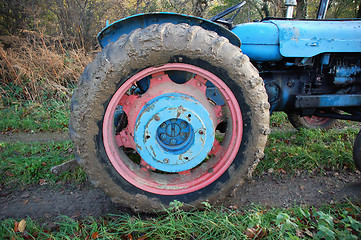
[45, 203]
[34, 137]
[48, 202]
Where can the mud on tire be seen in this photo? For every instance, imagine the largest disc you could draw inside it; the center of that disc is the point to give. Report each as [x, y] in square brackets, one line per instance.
[116, 79]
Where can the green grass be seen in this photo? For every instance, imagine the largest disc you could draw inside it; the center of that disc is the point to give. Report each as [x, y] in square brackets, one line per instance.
[30, 163]
[30, 116]
[286, 152]
[340, 221]
[311, 150]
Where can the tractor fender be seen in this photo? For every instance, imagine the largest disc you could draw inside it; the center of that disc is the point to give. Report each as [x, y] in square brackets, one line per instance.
[112, 32]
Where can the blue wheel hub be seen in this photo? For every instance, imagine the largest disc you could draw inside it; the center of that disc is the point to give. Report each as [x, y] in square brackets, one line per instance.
[174, 132]
[175, 135]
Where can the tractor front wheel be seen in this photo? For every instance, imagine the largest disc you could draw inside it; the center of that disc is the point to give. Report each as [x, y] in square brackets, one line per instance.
[169, 112]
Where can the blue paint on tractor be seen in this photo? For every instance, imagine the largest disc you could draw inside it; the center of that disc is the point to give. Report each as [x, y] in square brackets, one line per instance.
[328, 101]
[175, 135]
[295, 57]
[308, 38]
[259, 41]
[346, 74]
[112, 32]
[273, 39]
[174, 132]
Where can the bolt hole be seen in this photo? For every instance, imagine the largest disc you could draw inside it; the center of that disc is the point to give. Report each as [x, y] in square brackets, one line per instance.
[186, 158]
[147, 137]
[189, 115]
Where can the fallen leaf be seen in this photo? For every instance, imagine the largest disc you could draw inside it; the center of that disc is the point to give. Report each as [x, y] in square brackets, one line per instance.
[281, 170]
[9, 174]
[250, 233]
[95, 235]
[256, 233]
[43, 164]
[130, 237]
[25, 202]
[302, 187]
[42, 181]
[16, 225]
[22, 226]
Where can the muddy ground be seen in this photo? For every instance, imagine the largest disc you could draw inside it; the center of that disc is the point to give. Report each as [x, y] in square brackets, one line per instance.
[48, 202]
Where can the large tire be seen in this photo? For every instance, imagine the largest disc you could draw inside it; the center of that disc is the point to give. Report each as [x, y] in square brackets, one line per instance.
[357, 151]
[312, 122]
[218, 166]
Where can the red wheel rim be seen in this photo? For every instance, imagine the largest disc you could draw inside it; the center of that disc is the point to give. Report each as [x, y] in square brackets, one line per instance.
[316, 121]
[141, 174]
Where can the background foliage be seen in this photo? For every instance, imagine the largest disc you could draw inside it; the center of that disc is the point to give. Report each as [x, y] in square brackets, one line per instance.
[45, 44]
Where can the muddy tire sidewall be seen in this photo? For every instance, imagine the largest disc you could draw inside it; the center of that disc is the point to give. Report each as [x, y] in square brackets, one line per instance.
[157, 45]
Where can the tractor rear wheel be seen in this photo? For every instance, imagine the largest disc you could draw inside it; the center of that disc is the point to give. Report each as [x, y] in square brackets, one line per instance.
[169, 113]
[312, 122]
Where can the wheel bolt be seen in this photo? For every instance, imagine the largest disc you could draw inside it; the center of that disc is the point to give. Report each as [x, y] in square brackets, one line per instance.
[156, 117]
[163, 125]
[163, 136]
[166, 160]
[183, 125]
[173, 141]
[183, 136]
[201, 132]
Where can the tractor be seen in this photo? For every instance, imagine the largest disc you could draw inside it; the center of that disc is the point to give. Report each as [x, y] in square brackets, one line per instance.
[177, 107]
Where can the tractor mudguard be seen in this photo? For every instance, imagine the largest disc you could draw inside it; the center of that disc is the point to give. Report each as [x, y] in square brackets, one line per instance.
[112, 32]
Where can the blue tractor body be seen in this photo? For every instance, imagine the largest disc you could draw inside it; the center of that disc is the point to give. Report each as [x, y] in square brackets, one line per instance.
[273, 39]
[283, 50]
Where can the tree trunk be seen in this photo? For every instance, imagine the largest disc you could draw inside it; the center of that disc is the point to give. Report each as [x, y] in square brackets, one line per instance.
[301, 12]
[199, 7]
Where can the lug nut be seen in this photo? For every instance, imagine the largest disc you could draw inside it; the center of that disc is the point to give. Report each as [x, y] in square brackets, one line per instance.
[163, 136]
[173, 141]
[184, 136]
[183, 125]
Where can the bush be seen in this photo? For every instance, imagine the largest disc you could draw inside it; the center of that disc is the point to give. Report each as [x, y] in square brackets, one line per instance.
[37, 67]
